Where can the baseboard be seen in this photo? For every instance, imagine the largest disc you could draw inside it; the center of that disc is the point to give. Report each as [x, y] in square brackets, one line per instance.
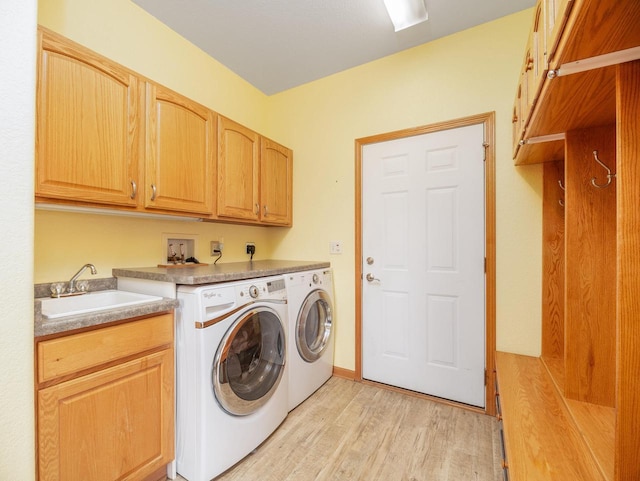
[344, 373]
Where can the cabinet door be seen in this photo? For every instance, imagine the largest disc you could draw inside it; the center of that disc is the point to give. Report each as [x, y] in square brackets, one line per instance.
[557, 13]
[88, 110]
[238, 171]
[517, 120]
[112, 424]
[276, 181]
[179, 166]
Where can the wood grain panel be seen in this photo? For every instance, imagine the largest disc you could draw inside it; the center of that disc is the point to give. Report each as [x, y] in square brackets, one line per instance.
[628, 362]
[69, 354]
[180, 150]
[596, 27]
[113, 424]
[553, 261]
[87, 134]
[238, 171]
[574, 102]
[597, 426]
[590, 295]
[276, 182]
[541, 152]
[595, 423]
[542, 441]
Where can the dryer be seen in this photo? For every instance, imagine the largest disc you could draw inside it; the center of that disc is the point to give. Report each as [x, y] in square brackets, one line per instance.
[232, 385]
[311, 324]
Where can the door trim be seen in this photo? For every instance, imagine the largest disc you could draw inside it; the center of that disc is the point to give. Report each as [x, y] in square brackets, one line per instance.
[488, 121]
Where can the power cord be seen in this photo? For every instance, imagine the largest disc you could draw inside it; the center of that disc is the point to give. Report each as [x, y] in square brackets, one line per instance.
[219, 256]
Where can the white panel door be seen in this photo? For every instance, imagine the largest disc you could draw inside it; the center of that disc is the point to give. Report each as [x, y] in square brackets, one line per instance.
[423, 246]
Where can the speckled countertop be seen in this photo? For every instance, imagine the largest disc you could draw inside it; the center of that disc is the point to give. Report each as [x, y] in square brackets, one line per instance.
[45, 327]
[211, 274]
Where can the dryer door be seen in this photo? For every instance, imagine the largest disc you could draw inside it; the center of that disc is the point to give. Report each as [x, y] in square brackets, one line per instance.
[249, 362]
[313, 327]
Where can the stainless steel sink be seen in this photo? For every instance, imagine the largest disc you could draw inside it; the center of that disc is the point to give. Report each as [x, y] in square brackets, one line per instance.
[53, 308]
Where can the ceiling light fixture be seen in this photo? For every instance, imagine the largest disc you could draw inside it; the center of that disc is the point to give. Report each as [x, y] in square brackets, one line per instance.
[406, 13]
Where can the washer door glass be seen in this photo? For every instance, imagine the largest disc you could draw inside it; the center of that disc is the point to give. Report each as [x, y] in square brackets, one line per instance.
[249, 362]
[313, 327]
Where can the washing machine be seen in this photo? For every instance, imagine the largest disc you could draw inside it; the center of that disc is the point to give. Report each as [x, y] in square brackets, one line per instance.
[231, 378]
[311, 324]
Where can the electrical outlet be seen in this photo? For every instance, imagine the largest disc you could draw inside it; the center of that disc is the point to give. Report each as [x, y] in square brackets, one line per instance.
[216, 248]
[335, 247]
[251, 248]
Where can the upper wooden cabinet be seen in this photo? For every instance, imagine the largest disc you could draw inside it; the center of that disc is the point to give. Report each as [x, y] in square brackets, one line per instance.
[276, 183]
[238, 171]
[583, 42]
[555, 18]
[108, 137]
[88, 113]
[180, 149]
[254, 176]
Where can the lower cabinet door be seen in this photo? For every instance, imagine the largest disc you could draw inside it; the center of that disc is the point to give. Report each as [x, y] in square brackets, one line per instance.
[113, 424]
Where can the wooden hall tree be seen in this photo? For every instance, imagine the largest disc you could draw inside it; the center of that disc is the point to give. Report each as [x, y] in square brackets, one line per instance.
[627, 443]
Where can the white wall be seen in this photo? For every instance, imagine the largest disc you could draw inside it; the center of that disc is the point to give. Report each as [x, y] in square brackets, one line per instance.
[17, 118]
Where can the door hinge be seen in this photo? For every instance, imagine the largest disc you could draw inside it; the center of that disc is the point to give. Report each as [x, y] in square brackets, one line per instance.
[486, 146]
[485, 265]
[486, 379]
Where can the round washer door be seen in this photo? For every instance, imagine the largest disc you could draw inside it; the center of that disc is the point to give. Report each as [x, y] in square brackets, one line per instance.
[249, 362]
[313, 326]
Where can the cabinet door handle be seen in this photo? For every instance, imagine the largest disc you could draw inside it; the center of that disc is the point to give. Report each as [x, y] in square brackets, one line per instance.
[529, 64]
[154, 191]
[257, 211]
[266, 213]
[134, 189]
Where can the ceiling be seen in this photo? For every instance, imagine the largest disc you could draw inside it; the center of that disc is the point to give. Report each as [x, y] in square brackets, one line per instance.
[279, 44]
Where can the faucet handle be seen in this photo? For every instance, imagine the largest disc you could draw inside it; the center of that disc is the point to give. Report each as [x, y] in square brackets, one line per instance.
[57, 289]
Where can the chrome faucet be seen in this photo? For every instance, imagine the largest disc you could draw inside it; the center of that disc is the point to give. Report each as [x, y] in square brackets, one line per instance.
[72, 283]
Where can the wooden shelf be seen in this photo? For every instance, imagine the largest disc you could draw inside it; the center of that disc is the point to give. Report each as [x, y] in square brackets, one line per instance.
[538, 153]
[597, 28]
[597, 424]
[575, 102]
[543, 440]
[586, 99]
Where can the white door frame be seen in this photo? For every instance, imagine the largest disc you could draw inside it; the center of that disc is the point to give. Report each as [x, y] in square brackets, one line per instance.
[488, 121]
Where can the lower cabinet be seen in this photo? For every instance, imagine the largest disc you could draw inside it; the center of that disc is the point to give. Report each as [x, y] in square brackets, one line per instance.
[113, 418]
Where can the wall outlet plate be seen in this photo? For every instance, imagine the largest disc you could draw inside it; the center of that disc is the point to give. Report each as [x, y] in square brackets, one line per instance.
[335, 247]
[249, 247]
[216, 248]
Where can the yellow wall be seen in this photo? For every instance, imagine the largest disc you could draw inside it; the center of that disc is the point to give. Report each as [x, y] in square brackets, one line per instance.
[65, 241]
[468, 73]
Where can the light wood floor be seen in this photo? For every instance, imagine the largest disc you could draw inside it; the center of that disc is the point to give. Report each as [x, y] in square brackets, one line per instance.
[352, 431]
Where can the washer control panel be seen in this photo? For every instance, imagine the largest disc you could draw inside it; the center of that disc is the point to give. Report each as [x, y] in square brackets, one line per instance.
[257, 289]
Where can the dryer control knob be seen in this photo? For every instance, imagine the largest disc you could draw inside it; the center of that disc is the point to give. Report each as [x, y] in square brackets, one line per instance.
[253, 292]
[316, 278]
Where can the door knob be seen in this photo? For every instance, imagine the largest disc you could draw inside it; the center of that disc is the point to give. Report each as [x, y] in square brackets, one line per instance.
[370, 277]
